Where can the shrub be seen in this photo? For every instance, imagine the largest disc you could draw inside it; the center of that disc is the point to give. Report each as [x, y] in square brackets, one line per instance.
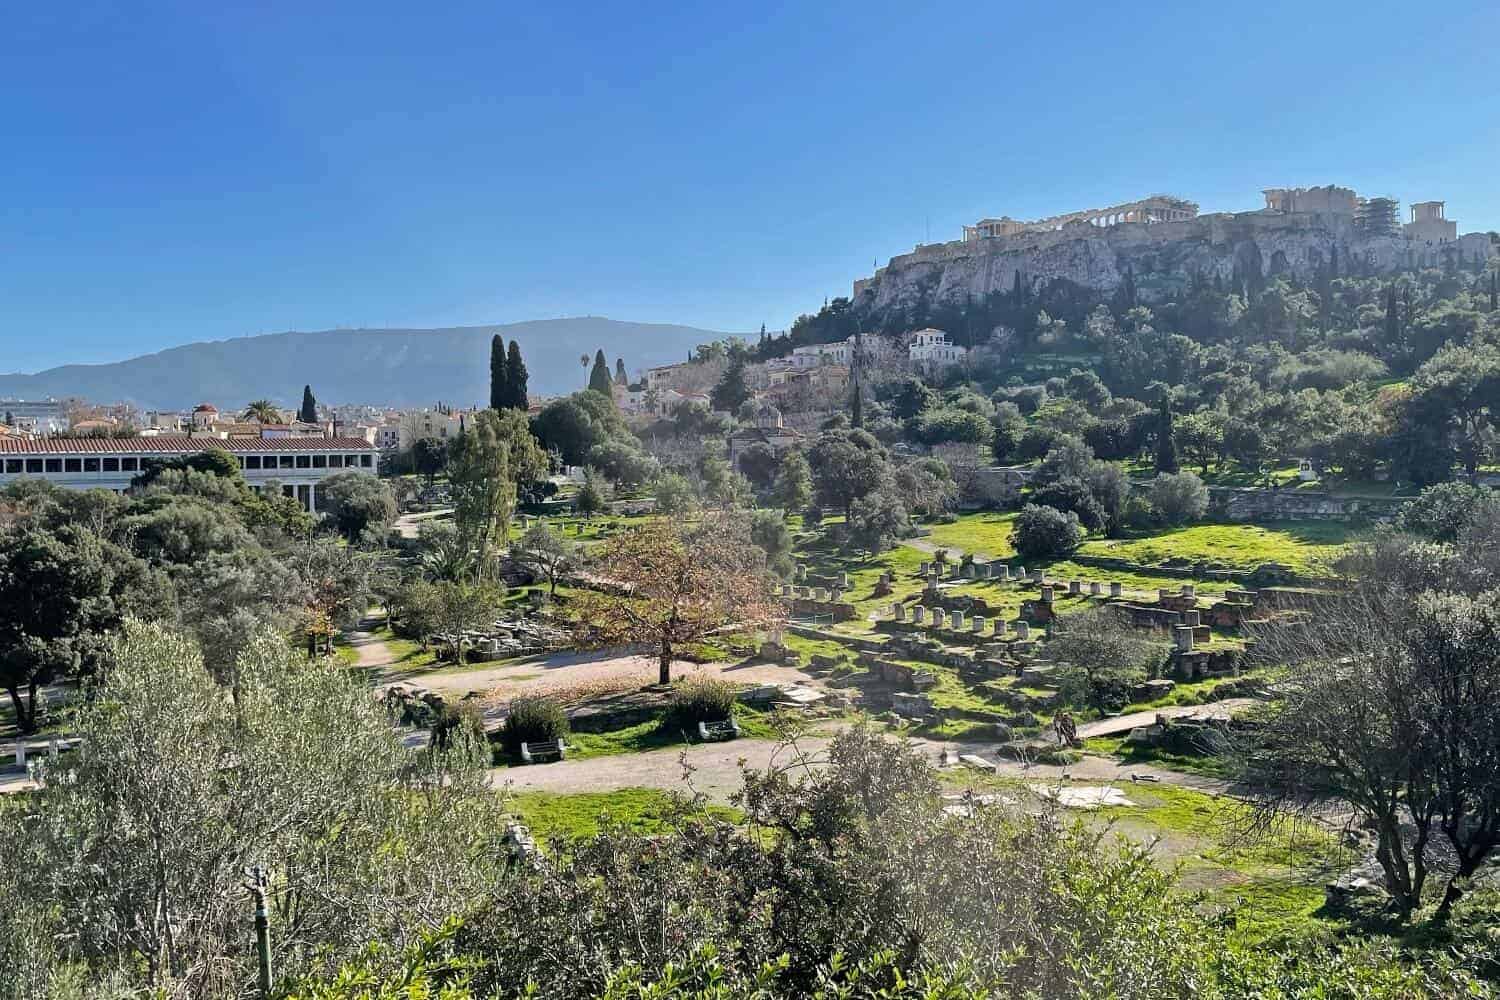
[700, 699]
[452, 721]
[1072, 494]
[532, 719]
[1046, 532]
[1179, 497]
[1442, 512]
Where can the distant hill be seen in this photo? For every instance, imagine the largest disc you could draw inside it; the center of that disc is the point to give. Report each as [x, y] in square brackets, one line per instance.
[399, 367]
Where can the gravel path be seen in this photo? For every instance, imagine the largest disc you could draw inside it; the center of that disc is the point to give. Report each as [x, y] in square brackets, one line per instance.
[1124, 723]
[716, 768]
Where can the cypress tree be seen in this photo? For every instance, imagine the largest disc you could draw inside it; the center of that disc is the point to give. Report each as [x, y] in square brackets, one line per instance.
[856, 410]
[499, 377]
[599, 379]
[1495, 291]
[517, 394]
[1166, 439]
[308, 414]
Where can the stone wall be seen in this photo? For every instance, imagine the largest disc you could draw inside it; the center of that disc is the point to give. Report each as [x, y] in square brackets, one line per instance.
[1243, 503]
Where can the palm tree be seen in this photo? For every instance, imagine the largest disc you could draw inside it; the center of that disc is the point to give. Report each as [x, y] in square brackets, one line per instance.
[585, 360]
[263, 411]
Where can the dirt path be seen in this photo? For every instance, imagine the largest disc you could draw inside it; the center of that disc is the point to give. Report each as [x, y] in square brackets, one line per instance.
[374, 654]
[580, 670]
[410, 525]
[1219, 710]
[716, 768]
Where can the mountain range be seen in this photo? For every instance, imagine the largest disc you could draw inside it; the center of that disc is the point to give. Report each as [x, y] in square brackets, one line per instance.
[382, 366]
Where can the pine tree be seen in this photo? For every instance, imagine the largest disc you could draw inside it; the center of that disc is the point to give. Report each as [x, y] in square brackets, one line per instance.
[308, 414]
[499, 378]
[517, 393]
[731, 390]
[1166, 439]
[856, 410]
[599, 379]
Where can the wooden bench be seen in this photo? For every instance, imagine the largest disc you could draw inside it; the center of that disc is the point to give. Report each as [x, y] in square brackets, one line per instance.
[726, 730]
[549, 750]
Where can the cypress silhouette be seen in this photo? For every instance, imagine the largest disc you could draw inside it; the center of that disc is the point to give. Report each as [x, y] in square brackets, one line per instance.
[308, 414]
[499, 376]
[599, 379]
[856, 410]
[1166, 438]
[517, 394]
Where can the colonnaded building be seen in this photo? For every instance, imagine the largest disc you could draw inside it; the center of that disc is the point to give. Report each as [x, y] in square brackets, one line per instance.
[296, 464]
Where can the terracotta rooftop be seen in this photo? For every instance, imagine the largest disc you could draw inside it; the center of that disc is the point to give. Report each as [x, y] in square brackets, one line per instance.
[174, 444]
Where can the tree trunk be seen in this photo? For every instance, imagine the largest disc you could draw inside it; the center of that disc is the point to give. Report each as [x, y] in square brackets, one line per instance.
[25, 709]
[664, 675]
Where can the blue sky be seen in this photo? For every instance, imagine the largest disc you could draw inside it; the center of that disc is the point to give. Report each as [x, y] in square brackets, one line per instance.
[181, 172]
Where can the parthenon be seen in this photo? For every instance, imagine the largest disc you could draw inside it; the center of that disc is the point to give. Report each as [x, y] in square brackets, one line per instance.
[1156, 208]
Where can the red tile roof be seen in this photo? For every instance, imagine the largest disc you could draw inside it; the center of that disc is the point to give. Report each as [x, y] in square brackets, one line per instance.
[175, 444]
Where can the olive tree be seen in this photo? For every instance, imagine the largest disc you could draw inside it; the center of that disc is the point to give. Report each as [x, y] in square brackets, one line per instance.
[140, 841]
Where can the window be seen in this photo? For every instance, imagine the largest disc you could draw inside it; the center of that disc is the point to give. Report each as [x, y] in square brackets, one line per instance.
[304, 461]
[33, 465]
[14, 465]
[130, 465]
[72, 465]
[320, 461]
[242, 461]
[111, 465]
[286, 461]
[252, 461]
[54, 465]
[367, 461]
[335, 461]
[90, 465]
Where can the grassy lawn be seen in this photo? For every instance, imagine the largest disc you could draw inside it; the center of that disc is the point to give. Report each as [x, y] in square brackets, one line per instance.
[986, 533]
[560, 817]
[653, 734]
[1271, 882]
[1302, 545]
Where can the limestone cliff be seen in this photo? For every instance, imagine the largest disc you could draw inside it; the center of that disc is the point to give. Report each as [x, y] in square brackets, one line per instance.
[1160, 257]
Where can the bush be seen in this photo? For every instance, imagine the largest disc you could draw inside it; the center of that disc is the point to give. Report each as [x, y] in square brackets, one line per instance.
[1072, 494]
[451, 721]
[532, 719]
[1179, 497]
[1442, 512]
[700, 699]
[1046, 532]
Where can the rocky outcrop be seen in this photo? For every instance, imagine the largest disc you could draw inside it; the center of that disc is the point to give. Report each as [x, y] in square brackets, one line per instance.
[1161, 258]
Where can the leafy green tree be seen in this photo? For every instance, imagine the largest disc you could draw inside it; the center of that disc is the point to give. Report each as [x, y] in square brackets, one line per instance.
[61, 593]
[499, 377]
[599, 380]
[1071, 494]
[1446, 510]
[484, 466]
[596, 493]
[1200, 436]
[429, 456]
[793, 488]
[908, 397]
[674, 494]
[359, 504]
[574, 425]
[308, 413]
[768, 530]
[1178, 499]
[731, 390]
[1459, 389]
[137, 849]
[846, 465]
[1046, 532]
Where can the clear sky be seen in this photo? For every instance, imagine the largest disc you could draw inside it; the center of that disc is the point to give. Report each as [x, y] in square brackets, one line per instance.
[172, 172]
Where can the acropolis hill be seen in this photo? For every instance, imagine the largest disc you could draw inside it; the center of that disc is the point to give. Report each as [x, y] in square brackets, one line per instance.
[1163, 243]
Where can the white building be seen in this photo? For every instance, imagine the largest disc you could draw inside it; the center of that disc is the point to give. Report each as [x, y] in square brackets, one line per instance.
[297, 464]
[37, 416]
[931, 348]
